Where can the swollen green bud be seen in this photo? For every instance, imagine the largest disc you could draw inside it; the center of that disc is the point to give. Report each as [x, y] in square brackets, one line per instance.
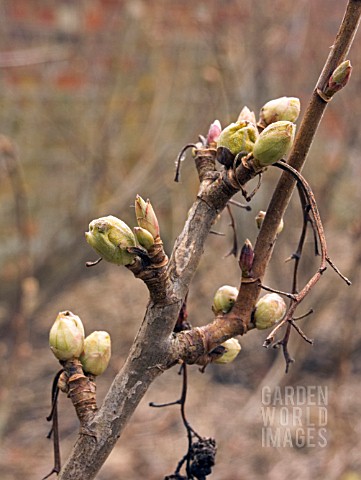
[146, 217]
[232, 349]
[246, 114]
[144, 237]
[111, 237]
[339, 78]
[238, 137]
[269, 310]
[66, 338]
[96, 354]
[259, 221]
[284, 108]
[224, 299]
[273, 143]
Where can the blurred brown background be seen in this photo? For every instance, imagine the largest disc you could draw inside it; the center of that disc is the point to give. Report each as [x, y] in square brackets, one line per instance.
[97, 97]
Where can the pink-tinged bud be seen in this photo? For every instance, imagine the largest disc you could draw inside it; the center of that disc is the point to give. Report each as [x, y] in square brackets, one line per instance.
[232, 349]
[247, 115]
[110, 237]
[214, 132]
[144, 237]
[270, 309]
[259, 221]
[339, 78]
[238, 137]
[246, 259]
[273, 143]
[66, 338]
[146, 217]
[96, 354]
[224, 299]
[284, 108]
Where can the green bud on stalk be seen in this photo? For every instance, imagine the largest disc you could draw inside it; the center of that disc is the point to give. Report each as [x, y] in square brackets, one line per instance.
[144, 237]
[284, 108]
[232, 349]
[273, 143]
[96, 354]
[146, 217]
[238, 137]
[66, 337]
[339, 78]
[224, 299]
[110, 237]
[270, 309]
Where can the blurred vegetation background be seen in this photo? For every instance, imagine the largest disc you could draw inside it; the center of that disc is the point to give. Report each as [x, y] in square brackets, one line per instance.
[97, 98]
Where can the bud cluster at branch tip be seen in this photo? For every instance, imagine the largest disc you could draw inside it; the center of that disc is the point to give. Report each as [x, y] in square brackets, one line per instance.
[259, 221]
[146, 217]
[270, 309]
[232, 349]
[246, 259]
[224, 299]
[284, 108]
[237, 138]
[273, 143]
[66, 337]
[110, 238]
[96, 353]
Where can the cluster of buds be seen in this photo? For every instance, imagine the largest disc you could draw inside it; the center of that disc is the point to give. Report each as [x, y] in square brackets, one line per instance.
[67, 341]
[114, 241]
[242, 138]
[270, 309]
[224, 299]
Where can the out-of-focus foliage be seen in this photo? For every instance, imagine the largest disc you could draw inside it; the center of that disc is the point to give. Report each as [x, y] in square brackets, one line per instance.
[98, 97]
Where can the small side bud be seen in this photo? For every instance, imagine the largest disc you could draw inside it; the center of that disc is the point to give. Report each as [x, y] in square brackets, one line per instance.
[259, 221]
[284, 108]
[213, 133]
[232, 349]
[246, 259]
[247, 115]
[224, 299]
[110, 237]
[96, 354]
[144, 237]
[146, 217]
[339, 78]
[66, 337]
[270, 309]
[238, 137]
[273, 143]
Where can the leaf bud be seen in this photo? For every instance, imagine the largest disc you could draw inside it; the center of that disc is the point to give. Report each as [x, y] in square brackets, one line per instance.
[259, 221]
[284, 108]
[110, 237]
[238, 137]
[96, 354]
[144, 237]
[224, 299]
[232, 349]
[246, 259]
[270, 309]
[146, 217]
[214, 132]
[273, 143]
[247, 115]
[339, 78]
[66, 337]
